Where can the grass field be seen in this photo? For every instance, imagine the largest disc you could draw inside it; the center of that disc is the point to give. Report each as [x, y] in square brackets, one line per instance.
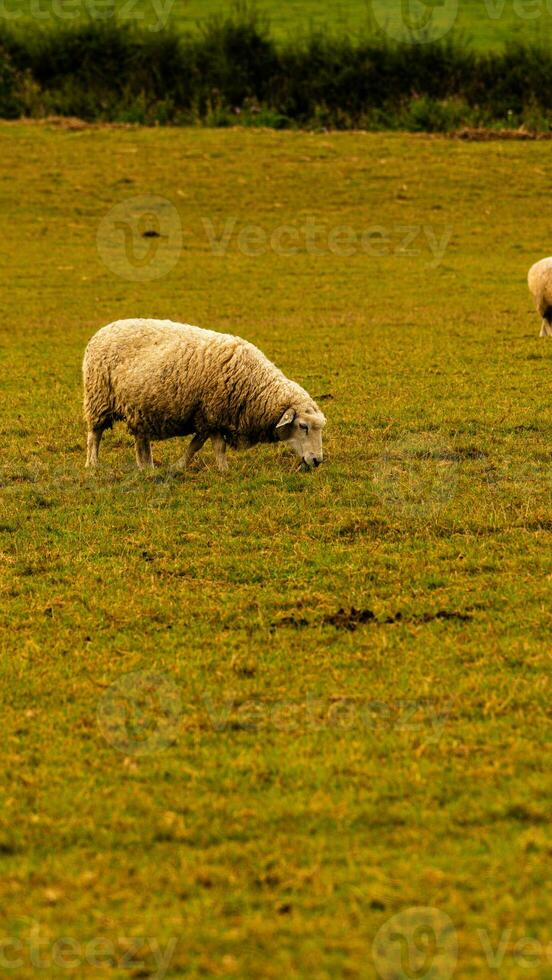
[248, 719]
[484, 23]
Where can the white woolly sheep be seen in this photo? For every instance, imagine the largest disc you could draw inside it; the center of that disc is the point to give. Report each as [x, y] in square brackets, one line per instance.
[169, 379]
[540, 286]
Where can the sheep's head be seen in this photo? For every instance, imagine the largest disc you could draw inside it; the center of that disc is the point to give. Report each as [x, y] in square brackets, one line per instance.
[303, 431]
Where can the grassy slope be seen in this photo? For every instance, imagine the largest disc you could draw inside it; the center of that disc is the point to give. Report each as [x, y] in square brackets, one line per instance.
[486, 23]
[281, 850]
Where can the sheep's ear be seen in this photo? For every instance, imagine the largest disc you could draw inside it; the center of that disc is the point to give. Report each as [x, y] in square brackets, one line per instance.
[287, 418]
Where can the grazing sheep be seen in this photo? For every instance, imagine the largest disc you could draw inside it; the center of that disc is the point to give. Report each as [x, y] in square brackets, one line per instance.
[540, 286]
[169, 379]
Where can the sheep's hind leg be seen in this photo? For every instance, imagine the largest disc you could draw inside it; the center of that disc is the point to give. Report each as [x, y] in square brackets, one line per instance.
[93, 447]
[194, 447]
[546, 328]
[144, 457]
[219, 445]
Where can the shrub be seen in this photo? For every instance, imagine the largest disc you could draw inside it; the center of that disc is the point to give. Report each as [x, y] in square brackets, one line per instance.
[10, 83]
[232, 72]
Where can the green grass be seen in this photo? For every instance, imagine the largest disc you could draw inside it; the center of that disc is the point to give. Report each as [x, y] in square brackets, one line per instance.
[311, 774]
[486, 23]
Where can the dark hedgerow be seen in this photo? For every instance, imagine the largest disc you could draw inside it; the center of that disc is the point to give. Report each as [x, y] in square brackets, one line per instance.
[232, 70]
[235, 59]
[10, 82]
[343, 78]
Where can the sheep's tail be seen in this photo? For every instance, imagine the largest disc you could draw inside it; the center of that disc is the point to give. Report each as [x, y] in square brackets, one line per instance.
[98, 397]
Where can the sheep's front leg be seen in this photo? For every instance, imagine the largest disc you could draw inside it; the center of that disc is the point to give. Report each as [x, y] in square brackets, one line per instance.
[219, 445]
[144, 457]
[546, 329]
[93, 447]
[194, 447]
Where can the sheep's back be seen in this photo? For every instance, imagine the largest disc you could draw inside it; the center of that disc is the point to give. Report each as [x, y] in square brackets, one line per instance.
[153, 369]
[540, 283]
